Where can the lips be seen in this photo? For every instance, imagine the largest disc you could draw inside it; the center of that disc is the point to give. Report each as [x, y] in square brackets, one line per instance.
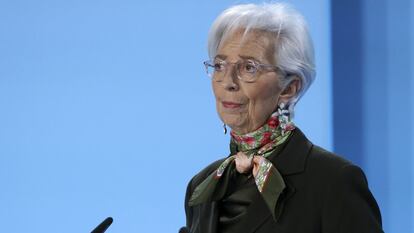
[231, 105]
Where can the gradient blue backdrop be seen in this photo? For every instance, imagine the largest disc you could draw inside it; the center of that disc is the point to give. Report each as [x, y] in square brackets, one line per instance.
[103, 103]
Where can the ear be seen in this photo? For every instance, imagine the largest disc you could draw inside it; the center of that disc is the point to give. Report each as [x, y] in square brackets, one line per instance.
[291, 90]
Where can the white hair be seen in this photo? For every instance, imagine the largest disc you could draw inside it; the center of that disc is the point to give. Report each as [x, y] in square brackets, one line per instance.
[293, 45]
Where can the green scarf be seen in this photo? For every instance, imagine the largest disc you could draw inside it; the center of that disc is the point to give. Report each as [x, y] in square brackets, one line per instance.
[256, 146]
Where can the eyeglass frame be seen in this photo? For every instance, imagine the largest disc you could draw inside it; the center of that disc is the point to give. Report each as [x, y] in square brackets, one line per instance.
[259, 67]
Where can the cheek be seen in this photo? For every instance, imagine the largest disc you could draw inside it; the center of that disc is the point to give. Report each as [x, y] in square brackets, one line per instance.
[216, 91]
[263, 94]
[263, 99]
[215, 87]
[218, 94]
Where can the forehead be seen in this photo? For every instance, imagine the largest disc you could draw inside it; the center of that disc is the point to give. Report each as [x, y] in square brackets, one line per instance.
[254, 44]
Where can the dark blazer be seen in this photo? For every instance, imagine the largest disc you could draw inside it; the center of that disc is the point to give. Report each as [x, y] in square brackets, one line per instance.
[325, 194]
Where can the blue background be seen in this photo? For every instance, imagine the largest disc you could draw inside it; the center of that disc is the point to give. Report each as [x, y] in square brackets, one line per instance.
[105, 109]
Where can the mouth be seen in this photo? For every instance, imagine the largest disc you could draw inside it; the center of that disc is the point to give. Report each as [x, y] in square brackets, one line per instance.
[231, 105]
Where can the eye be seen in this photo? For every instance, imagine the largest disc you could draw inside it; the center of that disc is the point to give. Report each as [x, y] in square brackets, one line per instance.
[218, 66]
[249, 67]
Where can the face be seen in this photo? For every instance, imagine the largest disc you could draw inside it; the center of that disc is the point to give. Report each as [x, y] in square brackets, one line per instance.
[245, 106]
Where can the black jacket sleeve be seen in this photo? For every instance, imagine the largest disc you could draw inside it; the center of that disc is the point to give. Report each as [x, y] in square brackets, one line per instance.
[349, 206]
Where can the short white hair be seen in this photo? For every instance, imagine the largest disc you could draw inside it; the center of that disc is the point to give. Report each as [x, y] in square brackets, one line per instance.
[293, 45]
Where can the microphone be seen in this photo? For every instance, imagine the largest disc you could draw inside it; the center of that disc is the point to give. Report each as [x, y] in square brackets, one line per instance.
[101, 228]
[184, 230]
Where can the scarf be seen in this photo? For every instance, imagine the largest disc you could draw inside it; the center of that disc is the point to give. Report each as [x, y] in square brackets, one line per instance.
[254, 148]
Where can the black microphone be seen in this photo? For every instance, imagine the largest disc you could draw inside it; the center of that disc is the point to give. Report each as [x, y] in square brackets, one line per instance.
[101, 228]
[184, 230]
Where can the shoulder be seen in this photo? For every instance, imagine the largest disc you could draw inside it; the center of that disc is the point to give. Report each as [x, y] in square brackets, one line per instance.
[334, 167]
[204, 173]
[330, 171]
[320, 158]
[301, 156]
[194, 182]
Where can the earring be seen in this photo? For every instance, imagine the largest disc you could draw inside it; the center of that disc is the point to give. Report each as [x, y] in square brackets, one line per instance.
[284, 118]
[224, 128]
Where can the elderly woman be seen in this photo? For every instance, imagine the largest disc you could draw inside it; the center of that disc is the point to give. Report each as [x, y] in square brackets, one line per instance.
[275, 179]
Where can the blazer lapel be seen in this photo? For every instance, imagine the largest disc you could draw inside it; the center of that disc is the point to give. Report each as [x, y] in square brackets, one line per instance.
[292, 159]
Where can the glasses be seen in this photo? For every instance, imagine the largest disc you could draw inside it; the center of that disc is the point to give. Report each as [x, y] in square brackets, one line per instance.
[246, 70]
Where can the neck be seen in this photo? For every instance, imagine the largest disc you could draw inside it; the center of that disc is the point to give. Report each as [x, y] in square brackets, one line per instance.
[252, 127]
[256, 139]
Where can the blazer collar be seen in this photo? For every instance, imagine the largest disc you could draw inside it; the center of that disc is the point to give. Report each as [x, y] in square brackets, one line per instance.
[292, 158]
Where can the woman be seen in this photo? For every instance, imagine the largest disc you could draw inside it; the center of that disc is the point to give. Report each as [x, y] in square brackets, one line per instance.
[274, 179]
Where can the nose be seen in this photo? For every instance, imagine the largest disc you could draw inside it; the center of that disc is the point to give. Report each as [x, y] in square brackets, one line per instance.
[230, 80]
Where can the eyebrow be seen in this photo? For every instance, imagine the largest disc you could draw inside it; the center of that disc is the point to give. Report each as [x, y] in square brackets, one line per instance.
[223, 57]
[250, 58]
[220, 56]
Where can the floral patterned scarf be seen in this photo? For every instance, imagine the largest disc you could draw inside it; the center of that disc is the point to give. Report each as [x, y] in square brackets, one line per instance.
[254, 148]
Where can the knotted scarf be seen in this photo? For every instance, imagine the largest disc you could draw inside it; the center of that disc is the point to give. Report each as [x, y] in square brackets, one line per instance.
[254, 148]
